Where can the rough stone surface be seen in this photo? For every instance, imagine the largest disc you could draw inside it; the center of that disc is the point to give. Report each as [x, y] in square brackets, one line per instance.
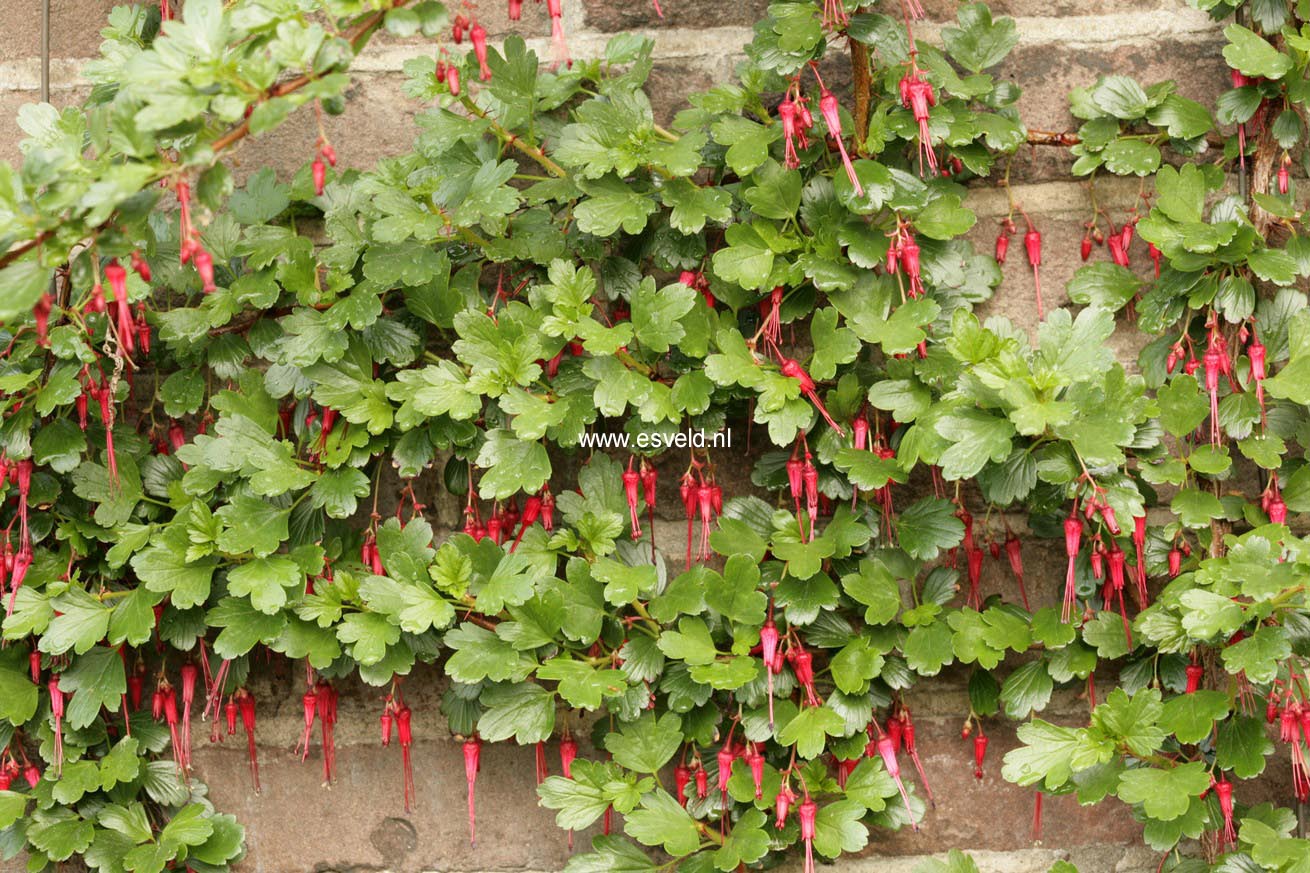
[359, 823]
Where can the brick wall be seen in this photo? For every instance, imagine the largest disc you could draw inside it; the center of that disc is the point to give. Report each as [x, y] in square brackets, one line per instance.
[359, 824]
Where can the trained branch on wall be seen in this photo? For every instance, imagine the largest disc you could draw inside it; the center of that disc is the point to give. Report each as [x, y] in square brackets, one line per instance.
[197, 435]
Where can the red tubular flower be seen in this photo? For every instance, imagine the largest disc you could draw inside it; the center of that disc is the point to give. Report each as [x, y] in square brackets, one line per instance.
[631, 491]
[1003, 246]
[556, 11]
[1223, 790]
[246, 706]
[793, 370]
[205, 268]
[724, 758]
[782, 806]
[472, 763]
[811, 476]
[887, 752]
[140, 265]
[478, 36]
[808, 813]
[980, 741]
[973, 562]
[1175, 563]
[787, 112]
[802, 664]
[1032, 244]
[1194, 674]
[755, 761]
[1117, 586]
[917, 95]
[908, 252]
[681, 779]
[1213, 362]
[568, 753]
[906, 724]
[1155, 257]
[1139, 547]
[1256, 353]
[318, 170]
[1014, 553]
[768, 654]
[1073, 535]
[832, 118]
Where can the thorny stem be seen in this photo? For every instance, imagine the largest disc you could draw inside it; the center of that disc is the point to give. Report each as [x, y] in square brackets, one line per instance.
[509, 138]
[356, 35]
[863, 86]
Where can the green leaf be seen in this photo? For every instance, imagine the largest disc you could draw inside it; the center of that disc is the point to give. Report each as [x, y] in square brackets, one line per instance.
[80, 622]
[611, 855]
[647, 744]
[809, 729]
[747, 843]
[581, 684]
[1191, 717]
[1164, 793]
[661, 821]
[511, 465]
[1131, 157]
[838, 829]
[655, 314]
[876, 588]
[979, 43]
[927, 527]
[1104, 284]
[610, 205]
[1252, 55]
[976, 437]
[480, 654]
[691, 642]
[738, 598]
[266, 581]
[1027, 690]
[21, 285]
[1045, 757]
[164, 568]
[97, 681]
[525, 712]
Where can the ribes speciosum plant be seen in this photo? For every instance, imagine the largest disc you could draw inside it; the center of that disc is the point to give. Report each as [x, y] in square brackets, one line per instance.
[367, 419]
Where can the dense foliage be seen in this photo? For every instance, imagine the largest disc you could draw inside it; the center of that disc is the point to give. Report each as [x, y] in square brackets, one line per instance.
[212, 396]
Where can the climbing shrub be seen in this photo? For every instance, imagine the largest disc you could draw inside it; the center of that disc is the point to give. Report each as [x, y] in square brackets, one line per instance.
[224, 407]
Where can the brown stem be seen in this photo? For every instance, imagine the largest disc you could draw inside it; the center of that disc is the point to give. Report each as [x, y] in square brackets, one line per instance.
[1062, 139]
[356, 35]
[863, 85]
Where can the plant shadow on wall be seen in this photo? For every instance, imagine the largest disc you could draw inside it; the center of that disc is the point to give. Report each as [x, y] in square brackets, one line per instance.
[204, 386]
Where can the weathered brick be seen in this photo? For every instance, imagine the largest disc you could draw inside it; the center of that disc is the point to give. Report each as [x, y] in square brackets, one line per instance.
[607, 15]
[74, 27]
[944, 10]
[11, 101]
[1047, 74]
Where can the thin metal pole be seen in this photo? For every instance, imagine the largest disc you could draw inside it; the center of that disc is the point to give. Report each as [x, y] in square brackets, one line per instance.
[45, 51]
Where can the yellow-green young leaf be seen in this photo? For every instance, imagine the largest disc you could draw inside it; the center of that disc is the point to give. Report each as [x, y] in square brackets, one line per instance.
[13, 806]
[1191, 717]
[647, 744]
[809, 729]
[661, 821]
[1164, 793]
